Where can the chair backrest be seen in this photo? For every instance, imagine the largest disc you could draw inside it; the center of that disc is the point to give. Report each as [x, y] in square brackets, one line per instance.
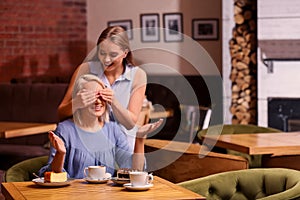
[22, 171]
[263, 184]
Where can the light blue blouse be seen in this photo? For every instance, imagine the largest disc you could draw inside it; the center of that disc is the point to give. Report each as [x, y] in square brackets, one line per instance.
[107, 146]
[122, 88]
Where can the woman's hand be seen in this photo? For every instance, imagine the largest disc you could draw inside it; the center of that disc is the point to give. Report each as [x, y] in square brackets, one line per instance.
[57, 143]
[84, 98]
[107, 95]
[144, 130]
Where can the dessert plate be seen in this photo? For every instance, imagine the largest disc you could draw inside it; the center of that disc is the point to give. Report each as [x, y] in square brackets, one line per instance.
[103, 180]
[120, 181]
[129, 186]
[89, 180]
[41, 182]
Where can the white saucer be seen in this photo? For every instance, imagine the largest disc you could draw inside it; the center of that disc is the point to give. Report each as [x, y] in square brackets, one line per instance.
[41, 182]
[137, 188]
[89, 180]
[120, 181]
[103, 180]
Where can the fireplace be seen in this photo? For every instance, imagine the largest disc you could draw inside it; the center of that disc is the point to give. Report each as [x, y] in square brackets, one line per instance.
[284, 113]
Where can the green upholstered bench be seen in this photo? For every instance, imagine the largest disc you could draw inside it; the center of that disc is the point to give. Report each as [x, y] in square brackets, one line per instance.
[248, 184]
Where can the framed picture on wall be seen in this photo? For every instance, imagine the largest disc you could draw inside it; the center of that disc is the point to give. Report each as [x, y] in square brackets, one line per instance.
[126, 24]
[173, 27]
[150, 27]
[205, 29]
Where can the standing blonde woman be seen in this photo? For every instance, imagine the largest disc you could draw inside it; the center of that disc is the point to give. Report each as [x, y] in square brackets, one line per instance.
[125, 84]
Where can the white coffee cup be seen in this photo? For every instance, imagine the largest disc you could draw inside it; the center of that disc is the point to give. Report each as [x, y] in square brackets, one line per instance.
[140, 178]
[95, 172]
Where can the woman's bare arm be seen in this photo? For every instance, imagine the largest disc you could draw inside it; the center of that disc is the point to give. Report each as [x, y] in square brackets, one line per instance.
[58, 160]
[138, 158]
[65, 107]
[128, 117]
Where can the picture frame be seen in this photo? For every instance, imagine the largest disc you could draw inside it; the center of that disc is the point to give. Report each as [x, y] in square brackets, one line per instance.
[205, 29]
[150, 27]
[173, 27]
[126, 24]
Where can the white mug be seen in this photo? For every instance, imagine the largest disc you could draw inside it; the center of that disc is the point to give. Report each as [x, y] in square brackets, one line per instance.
[95, 172]
[140, 178]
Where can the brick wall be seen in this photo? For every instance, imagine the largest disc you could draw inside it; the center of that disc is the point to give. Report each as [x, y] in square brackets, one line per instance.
[41, 37]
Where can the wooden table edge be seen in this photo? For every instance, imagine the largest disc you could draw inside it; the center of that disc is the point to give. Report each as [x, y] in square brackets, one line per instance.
[5, 186]
[29, 131]
[10, 186]
[213, 140]
[177, 187]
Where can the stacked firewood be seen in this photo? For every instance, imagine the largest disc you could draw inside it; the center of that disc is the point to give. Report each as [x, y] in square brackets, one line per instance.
[243, 50]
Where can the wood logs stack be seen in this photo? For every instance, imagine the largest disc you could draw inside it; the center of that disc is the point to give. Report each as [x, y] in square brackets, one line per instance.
[243, 50]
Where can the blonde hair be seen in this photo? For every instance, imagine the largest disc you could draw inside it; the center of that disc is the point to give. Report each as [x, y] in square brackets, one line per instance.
[79, 84]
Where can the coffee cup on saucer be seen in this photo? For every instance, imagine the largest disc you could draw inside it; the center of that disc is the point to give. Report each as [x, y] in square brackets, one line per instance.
[95, 172]
[139, 178]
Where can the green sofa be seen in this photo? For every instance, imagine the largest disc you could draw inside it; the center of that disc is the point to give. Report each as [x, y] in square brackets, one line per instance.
[248, 184]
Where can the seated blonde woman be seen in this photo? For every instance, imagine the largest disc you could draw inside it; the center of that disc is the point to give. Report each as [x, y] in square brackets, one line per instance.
[91, 139]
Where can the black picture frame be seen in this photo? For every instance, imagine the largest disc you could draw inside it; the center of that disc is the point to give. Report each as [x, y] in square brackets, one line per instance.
[205, 29]
[173, 27]
[126, 24]
[150, 27]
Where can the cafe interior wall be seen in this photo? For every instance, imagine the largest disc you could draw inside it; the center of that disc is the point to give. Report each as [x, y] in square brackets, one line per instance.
[99, 12]
[41, 38]
[278, 56]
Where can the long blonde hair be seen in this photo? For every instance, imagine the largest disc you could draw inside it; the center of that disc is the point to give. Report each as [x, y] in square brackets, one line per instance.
[79, 86]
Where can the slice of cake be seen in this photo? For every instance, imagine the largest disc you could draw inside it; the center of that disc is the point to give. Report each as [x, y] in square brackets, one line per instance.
[52, 177]
[123, 173]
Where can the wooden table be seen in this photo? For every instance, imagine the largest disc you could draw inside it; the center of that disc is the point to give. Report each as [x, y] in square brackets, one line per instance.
[80, 189]
[258, 143]
[17, 129]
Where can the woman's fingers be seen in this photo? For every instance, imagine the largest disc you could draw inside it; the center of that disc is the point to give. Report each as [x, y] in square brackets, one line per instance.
[56, 142]
[85, 98]
[107, 95]
[148, 128]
